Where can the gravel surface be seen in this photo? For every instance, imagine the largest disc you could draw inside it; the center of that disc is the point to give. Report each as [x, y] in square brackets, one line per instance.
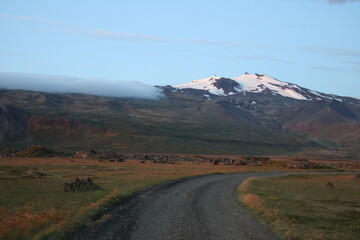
[193, 208]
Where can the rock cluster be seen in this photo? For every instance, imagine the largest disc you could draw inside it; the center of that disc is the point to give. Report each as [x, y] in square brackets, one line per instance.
[354, 165]
[304, 163]
[79, 185]
[32, 151]
[246, 161]
[40, 151]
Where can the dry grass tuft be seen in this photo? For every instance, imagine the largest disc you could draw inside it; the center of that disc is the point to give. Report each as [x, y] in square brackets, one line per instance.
[244, 187]
[253, 201]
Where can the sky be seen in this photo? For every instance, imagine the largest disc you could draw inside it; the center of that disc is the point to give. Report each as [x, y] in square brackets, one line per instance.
[312, 43]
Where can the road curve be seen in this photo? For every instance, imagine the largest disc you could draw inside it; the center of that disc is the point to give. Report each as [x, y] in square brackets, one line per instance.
[194, 208]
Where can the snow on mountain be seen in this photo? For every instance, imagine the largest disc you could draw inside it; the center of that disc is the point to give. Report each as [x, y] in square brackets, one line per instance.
[259, 83]
[205, 84]
[254, 83]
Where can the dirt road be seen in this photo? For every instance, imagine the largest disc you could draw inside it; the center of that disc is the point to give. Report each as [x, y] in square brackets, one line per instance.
[194, 208]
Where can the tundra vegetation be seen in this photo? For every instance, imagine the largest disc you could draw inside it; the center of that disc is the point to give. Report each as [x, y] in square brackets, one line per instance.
[47, 195]
[306, 206]
[46, 198]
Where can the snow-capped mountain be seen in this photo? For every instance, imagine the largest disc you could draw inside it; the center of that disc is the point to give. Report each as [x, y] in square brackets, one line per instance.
[250, 114]
[255, 83]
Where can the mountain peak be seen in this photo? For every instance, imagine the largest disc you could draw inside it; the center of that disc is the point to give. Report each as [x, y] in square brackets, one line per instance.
[260, 83]
[254, 83]
[215, 85]
[257, 83]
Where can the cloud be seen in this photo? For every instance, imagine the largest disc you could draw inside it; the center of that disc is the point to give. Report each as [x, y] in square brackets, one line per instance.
[320, 68]
[65, 84]
[125, 36]
[30, 19]
[264, 58]
[341, 1]
[11, 54]
[122, 36]
[357, 69]
[338, 1]
[254, 58]
[332, 51]
[352, 62]
[355, 65]
[211, 42]
[110, 35]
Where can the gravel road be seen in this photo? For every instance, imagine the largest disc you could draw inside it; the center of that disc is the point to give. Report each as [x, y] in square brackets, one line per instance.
[193, 208]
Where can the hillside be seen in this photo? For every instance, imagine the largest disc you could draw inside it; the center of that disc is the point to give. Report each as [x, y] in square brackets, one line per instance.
[230, 120]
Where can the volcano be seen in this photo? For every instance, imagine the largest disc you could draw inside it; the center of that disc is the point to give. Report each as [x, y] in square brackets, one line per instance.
[249, 114]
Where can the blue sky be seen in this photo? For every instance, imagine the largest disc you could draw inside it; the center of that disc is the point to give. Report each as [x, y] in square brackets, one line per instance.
[313, 43]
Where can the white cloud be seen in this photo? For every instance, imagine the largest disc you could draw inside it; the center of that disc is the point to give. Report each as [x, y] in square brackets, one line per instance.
[122, 36]
[65, 84]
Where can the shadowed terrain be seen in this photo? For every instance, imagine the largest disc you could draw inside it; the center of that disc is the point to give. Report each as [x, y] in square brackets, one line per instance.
[183, 121]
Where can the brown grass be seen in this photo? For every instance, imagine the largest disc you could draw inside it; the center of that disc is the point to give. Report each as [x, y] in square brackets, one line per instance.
[300, 206]
[33, 202]
[252, 200]
[24, 221]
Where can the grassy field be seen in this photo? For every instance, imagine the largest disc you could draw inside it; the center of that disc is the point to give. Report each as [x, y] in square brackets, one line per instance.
[33, 204]
[300, 206]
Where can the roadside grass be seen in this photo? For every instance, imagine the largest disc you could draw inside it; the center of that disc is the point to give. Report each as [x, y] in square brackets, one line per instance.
[33, 204]
[299, 206]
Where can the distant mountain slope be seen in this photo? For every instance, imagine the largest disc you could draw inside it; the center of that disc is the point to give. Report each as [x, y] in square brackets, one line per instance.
[215, 116]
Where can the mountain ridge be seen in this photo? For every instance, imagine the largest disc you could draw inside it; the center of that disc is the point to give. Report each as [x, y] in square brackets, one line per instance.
[184, 120]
